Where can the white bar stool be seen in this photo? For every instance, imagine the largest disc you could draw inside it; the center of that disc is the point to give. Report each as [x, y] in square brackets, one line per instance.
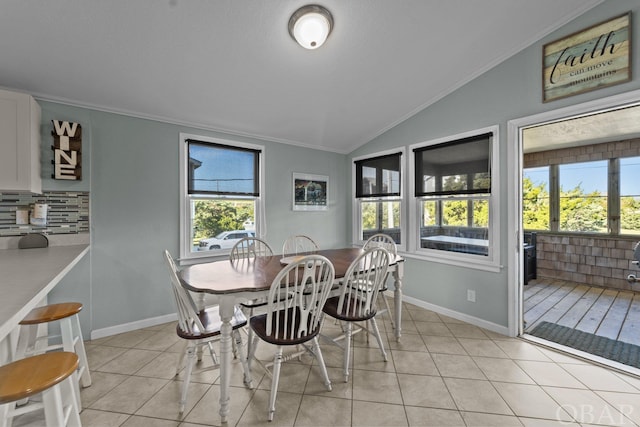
[50, 374]
[70, 332]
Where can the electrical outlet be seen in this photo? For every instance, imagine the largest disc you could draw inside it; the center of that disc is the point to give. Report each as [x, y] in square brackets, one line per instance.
[471, 295]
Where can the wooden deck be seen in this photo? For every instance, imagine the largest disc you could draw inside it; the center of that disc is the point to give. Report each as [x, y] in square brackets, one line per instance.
[606, 312]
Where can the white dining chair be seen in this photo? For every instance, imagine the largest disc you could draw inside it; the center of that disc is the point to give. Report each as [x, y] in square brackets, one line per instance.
[250, 248]
[200, 327]
[382, 240]
[246, 250]
[298, 322]
[357, 300]
[299, 244]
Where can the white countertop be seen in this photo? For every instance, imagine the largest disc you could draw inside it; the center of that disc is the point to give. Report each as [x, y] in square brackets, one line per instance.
[27, 276]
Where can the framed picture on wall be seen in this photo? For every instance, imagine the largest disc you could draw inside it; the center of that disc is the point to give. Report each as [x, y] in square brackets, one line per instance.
[310, 192]
[593, 58]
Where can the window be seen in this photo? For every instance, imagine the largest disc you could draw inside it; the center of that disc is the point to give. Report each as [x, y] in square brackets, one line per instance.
[630, 195]
[535, 198]
[583, 197]
[221, 193]
[378, 196]
[455, 200]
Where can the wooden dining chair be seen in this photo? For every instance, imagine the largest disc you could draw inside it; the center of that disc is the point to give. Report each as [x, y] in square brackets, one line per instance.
[200, 327]
[250, 248]
[297, 322]
[246, 250]
[298, 244]
[357, 299]
[383, 241]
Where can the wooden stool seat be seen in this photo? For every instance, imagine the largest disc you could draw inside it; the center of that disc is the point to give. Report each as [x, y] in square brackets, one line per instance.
[51, 313]
[52, 376]
[33, 375]
[35, 338]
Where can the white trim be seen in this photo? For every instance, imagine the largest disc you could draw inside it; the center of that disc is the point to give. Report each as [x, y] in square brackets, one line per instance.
[260, 214]
[514, 209]
[481, 323]
[488, 263]
[357, 214]
[133, 326]
[514, 221]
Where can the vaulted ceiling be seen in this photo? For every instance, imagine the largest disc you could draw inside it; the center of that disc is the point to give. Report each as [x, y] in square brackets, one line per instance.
[230, 65]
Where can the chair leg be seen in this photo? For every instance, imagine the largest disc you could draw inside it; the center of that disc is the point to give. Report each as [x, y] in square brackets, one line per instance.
[249, 337]
[389, 314]
[212, 352]
[68, 344]
[323, 369]
[248, 381]
[376, 331]
[252, 351]
[277, 362]
[191, 355]
[53, 410]
[181, 357]
[85, 375]
[67, 389]
[348, 337]
[5, 410]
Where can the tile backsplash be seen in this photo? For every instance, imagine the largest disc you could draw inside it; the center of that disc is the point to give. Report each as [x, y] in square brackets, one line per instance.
[68, 212]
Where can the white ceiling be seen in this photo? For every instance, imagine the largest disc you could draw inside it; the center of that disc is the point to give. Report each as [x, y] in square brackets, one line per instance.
[230, 65]
[610, 125]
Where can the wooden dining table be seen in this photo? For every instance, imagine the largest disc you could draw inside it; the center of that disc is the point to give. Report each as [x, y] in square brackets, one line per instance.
[234, 282]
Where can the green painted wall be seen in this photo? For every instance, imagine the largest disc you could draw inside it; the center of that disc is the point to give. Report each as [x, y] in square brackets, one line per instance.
[511, 90]
[133, 178]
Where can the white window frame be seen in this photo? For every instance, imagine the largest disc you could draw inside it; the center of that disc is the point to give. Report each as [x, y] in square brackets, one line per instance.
[491, 262]
[356, 208]
[186, 255]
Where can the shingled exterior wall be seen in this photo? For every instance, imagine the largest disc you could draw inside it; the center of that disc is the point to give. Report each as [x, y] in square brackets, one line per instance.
[598, 261]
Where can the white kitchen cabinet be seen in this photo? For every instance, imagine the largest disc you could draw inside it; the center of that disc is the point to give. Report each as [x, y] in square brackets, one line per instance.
[19, 143]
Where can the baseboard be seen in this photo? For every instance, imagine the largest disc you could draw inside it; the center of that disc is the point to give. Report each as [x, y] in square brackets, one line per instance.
[153, 321]
[132, 326]
[494, 327]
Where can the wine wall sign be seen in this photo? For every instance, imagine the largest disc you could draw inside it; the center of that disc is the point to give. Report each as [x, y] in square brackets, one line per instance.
[67, 150]
[590, 59]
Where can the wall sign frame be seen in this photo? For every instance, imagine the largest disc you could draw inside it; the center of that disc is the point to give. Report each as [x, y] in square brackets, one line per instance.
[590, 59]
[67, 150]
[310, 192]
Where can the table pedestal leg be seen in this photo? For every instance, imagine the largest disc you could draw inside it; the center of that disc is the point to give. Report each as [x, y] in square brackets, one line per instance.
[226, 313]
[398, 273]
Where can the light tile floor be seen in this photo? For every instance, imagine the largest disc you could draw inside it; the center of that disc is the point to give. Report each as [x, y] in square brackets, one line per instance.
[443, 372]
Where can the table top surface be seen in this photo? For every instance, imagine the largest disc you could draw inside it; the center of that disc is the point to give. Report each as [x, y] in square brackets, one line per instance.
[222, 277]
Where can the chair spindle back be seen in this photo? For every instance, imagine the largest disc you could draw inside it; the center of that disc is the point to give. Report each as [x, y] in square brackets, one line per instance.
[302, 313]
[362, 282]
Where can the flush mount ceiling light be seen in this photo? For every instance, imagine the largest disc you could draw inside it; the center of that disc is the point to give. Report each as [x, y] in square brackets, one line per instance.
[310, 26]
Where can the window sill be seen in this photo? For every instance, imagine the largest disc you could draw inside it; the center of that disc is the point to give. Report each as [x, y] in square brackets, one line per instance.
[459, 260]
[205, 257]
